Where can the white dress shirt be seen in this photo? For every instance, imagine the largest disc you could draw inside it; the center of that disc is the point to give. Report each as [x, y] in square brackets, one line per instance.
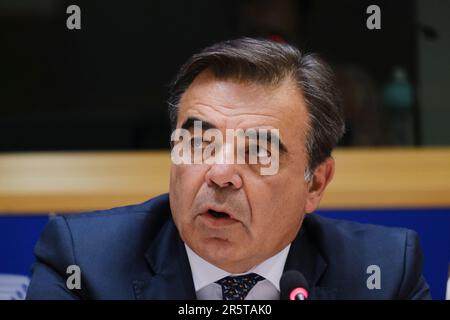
[206, 274]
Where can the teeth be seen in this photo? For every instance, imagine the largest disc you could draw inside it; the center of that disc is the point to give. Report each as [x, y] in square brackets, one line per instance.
[217, 214]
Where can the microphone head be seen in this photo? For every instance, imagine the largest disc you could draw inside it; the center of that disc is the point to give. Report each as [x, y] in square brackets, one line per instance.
[291, 280]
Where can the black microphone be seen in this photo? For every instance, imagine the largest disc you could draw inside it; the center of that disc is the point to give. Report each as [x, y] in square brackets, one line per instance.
[293, 286]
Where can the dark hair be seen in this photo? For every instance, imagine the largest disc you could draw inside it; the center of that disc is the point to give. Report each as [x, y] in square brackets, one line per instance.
[266, 62]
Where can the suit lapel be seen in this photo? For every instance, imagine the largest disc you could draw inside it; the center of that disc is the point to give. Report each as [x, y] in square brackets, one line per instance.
[305, 256]
[170, 274]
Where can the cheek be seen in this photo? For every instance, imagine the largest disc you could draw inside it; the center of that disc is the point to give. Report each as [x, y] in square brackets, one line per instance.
[185, 181]
[277, 205]
[182, 176]
[278, 191]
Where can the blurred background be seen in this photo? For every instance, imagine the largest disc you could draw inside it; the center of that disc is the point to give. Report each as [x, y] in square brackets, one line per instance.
[83, 120]
[104, 86]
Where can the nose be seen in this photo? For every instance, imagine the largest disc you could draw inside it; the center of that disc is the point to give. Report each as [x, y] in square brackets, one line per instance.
[223, 176]
[223, 173]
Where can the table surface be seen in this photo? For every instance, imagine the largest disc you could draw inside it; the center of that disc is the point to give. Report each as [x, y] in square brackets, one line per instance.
[82, 181]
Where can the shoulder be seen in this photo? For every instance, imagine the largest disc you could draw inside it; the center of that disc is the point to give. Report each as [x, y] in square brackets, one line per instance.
[342, 239]
[353, 250]
[105, 245]
[112, 235]
[150, 213]
[357, 234]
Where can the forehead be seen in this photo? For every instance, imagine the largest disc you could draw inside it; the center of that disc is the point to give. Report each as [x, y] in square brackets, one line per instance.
[228, 103]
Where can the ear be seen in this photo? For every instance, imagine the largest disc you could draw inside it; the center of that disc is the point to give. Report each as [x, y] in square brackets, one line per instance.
[316, 187]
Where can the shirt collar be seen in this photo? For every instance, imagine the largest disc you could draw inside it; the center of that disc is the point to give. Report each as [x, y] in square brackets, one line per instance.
[205, 273]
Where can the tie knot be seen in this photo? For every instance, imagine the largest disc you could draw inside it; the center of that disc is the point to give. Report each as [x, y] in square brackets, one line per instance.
[237, 287]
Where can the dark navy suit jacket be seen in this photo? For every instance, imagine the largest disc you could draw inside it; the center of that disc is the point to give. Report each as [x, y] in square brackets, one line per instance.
[135, 252]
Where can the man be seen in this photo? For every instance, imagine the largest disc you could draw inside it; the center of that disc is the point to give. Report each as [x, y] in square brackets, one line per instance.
[227, 231]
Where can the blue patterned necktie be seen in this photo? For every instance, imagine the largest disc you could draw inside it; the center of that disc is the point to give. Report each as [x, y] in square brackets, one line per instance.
[237, 288]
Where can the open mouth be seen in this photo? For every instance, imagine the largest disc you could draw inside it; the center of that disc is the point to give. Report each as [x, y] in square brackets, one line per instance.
[218, 214]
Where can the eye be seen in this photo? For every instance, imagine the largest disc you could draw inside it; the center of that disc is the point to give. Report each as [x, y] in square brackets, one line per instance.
[257, 150]
[197, 142]
[262, 152]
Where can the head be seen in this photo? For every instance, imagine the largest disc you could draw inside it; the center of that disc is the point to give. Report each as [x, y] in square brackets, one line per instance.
[228, 213]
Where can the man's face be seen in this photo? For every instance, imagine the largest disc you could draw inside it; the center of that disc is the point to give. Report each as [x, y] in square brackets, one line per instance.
[263, 213]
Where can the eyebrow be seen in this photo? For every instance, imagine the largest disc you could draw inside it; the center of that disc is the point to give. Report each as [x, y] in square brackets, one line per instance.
[189, 124]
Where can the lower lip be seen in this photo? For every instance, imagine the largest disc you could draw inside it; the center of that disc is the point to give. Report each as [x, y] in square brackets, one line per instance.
[213, 222]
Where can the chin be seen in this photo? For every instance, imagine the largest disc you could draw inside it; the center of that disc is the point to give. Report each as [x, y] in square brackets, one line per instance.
[218, 251]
